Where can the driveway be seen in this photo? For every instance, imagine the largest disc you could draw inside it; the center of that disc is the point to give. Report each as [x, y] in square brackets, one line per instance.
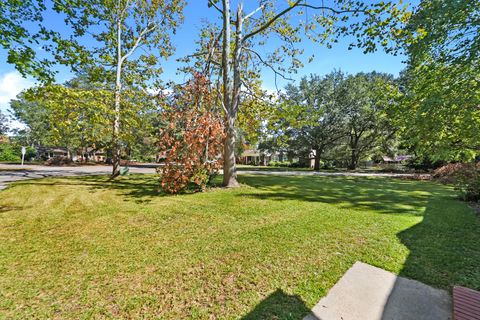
[10, 173]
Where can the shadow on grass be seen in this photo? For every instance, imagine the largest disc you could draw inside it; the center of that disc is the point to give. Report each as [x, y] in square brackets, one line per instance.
[9, 208]
[273, 169]
[444, 247]
[139, 188]
[278, 305]
[385, 195]
[444, 252]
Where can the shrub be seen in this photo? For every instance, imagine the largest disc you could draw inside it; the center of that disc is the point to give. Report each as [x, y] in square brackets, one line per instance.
[8, 153]
[448, 173]
[468, 183]
[465, 177]
[191, 137]
[58, 161]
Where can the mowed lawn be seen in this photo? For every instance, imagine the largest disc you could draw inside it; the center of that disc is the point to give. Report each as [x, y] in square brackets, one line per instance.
[84, 247]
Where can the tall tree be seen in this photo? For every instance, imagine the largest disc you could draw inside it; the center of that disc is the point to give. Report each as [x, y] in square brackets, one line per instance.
[439, 112]
[68, 116]
[119, 29]
[314, 110]
[229, 51]
[4, 123]
[34, 115]
[364, 102]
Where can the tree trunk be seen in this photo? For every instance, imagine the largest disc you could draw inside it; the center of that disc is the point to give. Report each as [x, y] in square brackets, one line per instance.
[354, 154]
[316, 165]
[230, 101]
[353, 161]
[229, 164]
[116, 119]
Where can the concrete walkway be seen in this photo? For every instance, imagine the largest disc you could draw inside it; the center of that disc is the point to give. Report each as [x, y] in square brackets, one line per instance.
[369, 293]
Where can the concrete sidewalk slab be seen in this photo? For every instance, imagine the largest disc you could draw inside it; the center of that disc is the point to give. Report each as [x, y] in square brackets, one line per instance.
[369, 293]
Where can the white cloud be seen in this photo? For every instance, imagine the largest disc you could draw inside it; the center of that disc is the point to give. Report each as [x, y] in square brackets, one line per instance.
[11, 84]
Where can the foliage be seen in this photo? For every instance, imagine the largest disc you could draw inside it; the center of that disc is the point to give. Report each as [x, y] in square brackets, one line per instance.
[448, 172]
[230, 50]
[8, 152]
[78, 115]
[21, 32]
[468, 182]
[364, 101]
[34, 115]
[312, 112]
[70, 117]
[4, 123]
[439, 113]
[338, 117]
[191, 136]
[465, 177]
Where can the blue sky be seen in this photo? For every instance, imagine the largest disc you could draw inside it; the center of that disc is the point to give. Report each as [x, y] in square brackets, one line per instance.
[326, 60]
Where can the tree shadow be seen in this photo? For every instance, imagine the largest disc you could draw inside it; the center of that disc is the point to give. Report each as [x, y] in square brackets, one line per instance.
[139, 188]
[385, 195]
[280, 306]
[8, 208]
[444, 247]
[444, 252]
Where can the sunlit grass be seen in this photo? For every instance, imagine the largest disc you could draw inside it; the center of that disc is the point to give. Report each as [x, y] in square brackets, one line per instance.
[81, 247]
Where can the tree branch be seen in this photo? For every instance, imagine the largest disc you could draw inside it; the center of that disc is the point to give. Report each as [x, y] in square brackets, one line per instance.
[293, 6]
[268, 64]
[248, 16]
[211, 3]
[145, 31]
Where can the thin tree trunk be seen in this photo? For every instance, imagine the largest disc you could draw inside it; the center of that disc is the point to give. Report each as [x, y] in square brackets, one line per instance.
[116, 119]
[318, 155]
[353, 155]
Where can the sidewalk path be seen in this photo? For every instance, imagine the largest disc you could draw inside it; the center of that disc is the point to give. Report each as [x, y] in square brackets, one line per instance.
[366, 292]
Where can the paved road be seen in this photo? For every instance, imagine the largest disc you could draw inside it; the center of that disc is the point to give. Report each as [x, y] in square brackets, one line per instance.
[11, 173]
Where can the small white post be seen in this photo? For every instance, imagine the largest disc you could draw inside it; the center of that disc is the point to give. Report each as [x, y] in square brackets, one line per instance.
[24, 151]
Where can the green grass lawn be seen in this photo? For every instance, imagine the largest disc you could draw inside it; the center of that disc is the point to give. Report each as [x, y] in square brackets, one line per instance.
[84, 247]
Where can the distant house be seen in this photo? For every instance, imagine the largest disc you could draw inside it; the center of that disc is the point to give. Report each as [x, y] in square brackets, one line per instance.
[250, 156]
[80, 155]
[396, 159]
[253, 156]
[45, 153]
[91, 154]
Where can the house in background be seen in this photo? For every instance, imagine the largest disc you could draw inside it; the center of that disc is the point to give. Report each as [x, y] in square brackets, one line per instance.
[81, 155]
[250, 156]
[45, 153]
[397, 159]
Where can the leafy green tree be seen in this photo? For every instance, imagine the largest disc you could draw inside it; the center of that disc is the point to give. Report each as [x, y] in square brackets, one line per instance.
[76, 118]
[338, 116]
[4, 123]
[439, 111]
[228, 51]
[364, 100]
[34, 115]
[315, 114]
[119, 29]
[21, 31]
